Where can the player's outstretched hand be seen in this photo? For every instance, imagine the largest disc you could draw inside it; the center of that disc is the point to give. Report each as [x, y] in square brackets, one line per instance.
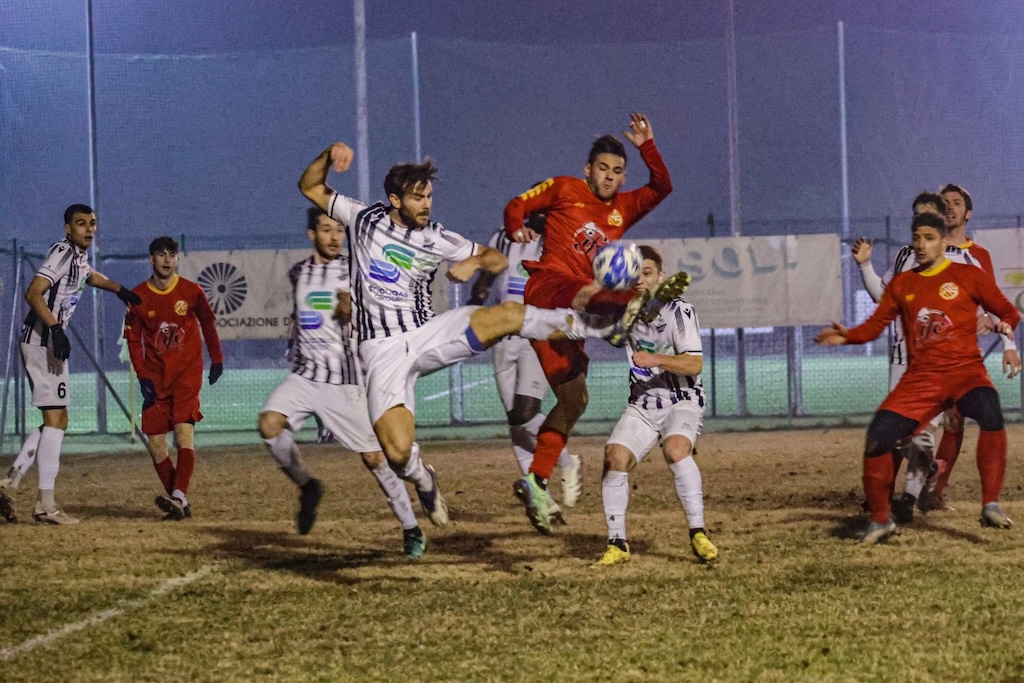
[148, 392]
[985, 325]
[862, 250]
[341, 157]
[129, 297]
[216, 370]
[639, 130]
[60, 343]
[1011, 362]
[832, 336]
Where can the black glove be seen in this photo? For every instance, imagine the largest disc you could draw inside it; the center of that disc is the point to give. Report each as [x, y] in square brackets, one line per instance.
[129, 297]
[148, 392]
[216, 370]
[60, 341]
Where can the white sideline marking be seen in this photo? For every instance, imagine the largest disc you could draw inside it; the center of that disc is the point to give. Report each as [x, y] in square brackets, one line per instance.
[442, 394]
[98, 618]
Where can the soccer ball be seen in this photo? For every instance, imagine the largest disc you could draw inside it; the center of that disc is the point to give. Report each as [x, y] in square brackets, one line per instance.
[617, 265]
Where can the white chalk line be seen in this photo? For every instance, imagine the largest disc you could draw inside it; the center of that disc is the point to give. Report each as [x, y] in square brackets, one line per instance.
[446, 392]
[107, 614]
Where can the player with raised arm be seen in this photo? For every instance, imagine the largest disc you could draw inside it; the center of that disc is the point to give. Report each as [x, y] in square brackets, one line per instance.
[666, 403]
[52, 296]
[582, 215]
[163, 335]
[395, 250]
[517, 372]
[937, 302]
[324, 382]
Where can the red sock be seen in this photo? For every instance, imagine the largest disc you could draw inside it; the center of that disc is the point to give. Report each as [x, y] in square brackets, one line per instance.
[610, 302]
[948, 451]
[878, 476]
[991, 464]
[186, 464]
[550, 443]
[165, 470]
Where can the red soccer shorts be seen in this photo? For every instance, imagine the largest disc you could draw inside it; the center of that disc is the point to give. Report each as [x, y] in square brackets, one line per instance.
[180, 407]
[563, 359]
[921, 395]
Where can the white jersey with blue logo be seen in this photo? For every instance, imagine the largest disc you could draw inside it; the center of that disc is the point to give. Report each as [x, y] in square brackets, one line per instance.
[675, 331]
[511, 282]
[392, 266]
[320, 347]
[68, 270]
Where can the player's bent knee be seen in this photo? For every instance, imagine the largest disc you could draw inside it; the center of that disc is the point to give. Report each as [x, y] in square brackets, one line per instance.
[270, 424]
[617, 458]
[885, 430]
[374, 459]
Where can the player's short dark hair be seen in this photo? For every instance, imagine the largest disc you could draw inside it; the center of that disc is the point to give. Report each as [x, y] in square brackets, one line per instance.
[69, 213]
[607, 144]
[313, 214]
[163, 243]
[952, 187]
[651, 254]
[403, 177]
[935, 200]
[930, 220]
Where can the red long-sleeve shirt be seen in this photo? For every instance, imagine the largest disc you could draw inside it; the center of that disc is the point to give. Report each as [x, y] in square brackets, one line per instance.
[578, 222]
[163, 334]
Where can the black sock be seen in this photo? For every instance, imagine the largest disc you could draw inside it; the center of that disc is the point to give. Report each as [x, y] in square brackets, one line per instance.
[619, 543]
[695, 531]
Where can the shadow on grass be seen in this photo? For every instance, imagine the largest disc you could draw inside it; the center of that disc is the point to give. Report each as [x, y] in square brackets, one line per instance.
[119, 511]
[852, 527]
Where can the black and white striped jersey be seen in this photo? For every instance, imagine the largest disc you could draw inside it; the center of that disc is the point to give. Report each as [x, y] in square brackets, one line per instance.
[393, 267]
[907, 260]
[67, 268]
[676, 330]
[511, 282]
[320, 347]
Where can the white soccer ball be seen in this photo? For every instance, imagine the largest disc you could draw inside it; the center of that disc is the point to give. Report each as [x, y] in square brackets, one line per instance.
[617, 265]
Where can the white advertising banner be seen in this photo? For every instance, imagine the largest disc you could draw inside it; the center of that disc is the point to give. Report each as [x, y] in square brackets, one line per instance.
[1007, 250]
[248, 290]
[782, 280]
[250, 293]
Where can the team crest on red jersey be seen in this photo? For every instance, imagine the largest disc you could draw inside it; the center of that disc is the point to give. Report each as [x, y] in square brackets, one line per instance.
[932, 326]
[949, 291]
[180, 307]
[589, 239]
[615, 218]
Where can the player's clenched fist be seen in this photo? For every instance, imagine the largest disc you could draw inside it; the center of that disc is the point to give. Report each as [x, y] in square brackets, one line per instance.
[341, 157]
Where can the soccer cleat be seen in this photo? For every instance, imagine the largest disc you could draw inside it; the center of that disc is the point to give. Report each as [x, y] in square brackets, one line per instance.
[172, 506]
[433, 502]
[555, 512]
[614, 555]
[7, 510]
[903, 509]
[619, 334]
[535, 500]
[572, 483]
[309, 498]
[670, 289]
[703, 548]
[877, 532]
[992, 515]
[414, 543]
[55, 516]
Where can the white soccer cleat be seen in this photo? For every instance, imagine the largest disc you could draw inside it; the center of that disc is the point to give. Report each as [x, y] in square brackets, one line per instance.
[54, 516]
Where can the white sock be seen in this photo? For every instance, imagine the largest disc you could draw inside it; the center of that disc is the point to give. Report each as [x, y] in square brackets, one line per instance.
[26, 457]
[176, 493]
[915, 480]
[286, 452]
[615, 496]
[524, 457]
[524, 440]
[690, 489]
[541, 323]
[415, 472]
[397, 495]
[48, 457]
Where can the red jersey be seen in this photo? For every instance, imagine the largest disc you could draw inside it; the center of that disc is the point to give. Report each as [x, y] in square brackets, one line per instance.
[578, 222]
[163, 334]
[939, 310]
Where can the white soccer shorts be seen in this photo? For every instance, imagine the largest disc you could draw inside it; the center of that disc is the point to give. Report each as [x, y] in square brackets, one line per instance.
[392, 365]
[517, 371]
[341, 407]
[48, 377]
[639, 429]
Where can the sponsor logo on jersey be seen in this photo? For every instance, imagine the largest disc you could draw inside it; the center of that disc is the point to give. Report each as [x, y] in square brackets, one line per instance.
[949, 291]
[521, 269]
[588, 239]
[516, 285]
[398, 255]
[932, 326]
[648, 346]
[225, 287]
[320, 300]
[615, 218]
[168, 337]
[383, 271]
[385, 294]
[180, 307]
[310, 320]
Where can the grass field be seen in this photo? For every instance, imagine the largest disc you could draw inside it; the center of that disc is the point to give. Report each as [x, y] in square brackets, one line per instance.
[235, 595]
